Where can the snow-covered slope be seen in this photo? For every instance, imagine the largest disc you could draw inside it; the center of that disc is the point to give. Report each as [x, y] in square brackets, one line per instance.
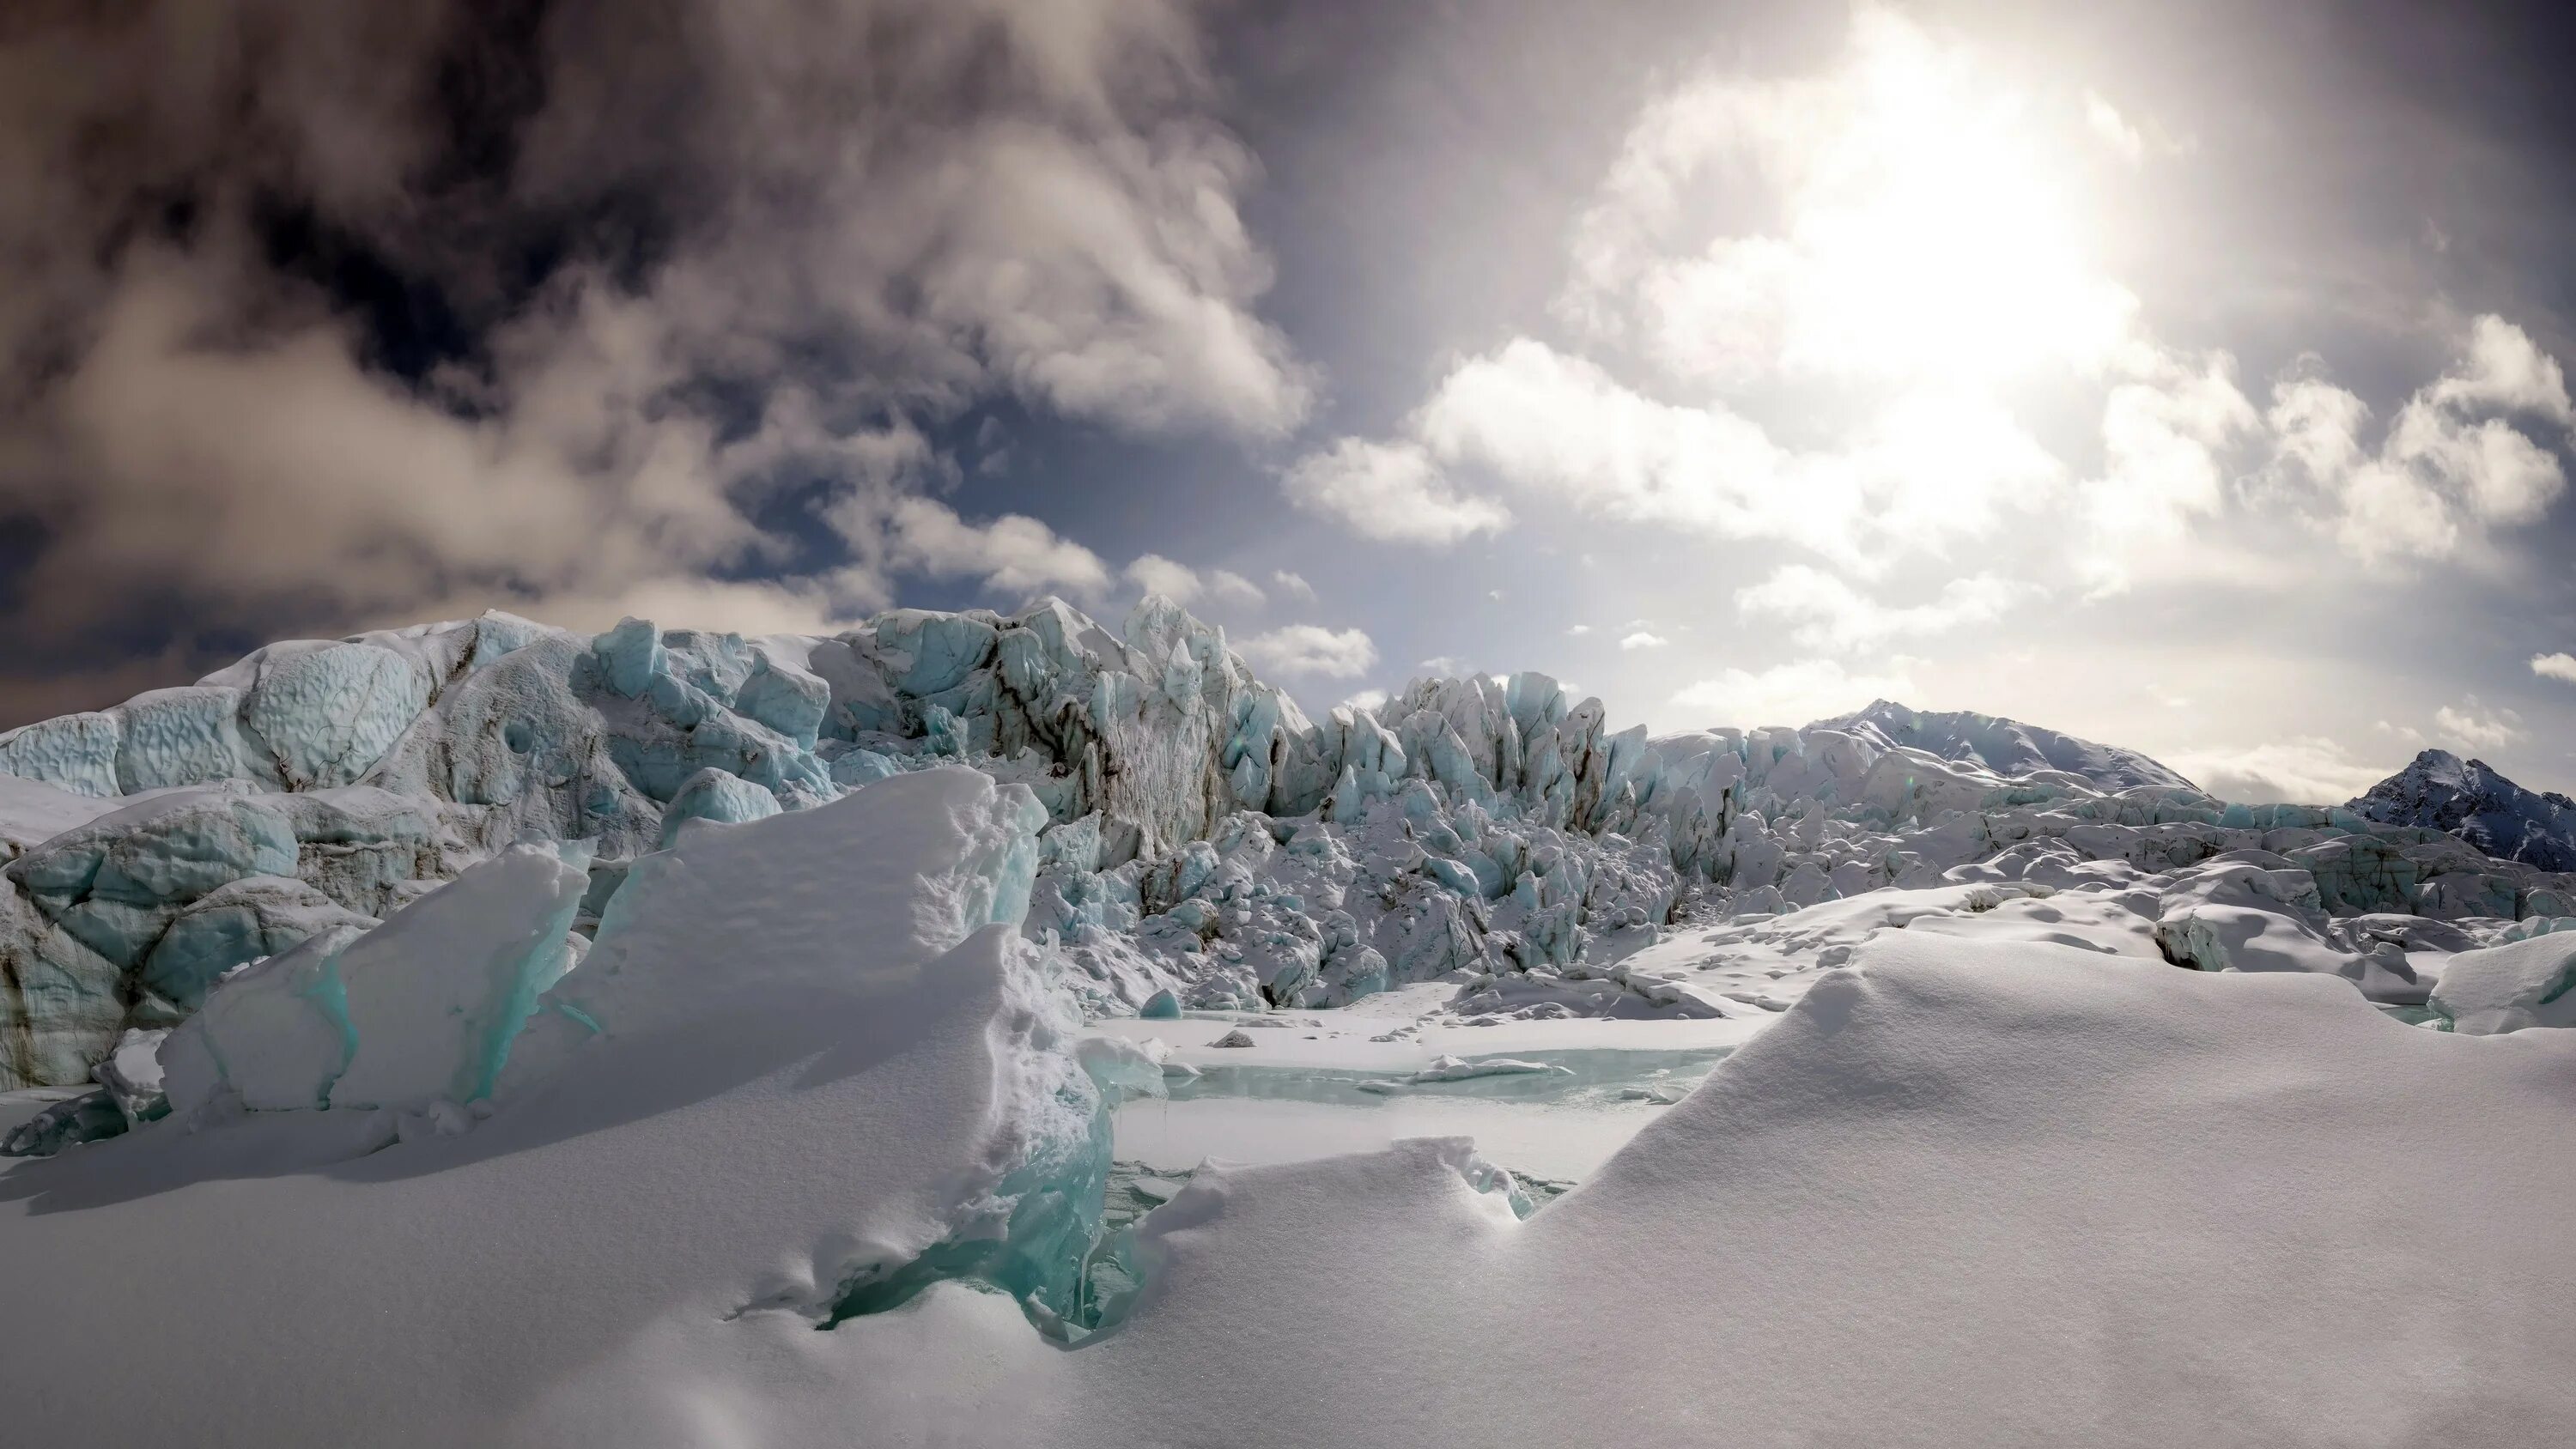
[2467, 798]
[2004, 746]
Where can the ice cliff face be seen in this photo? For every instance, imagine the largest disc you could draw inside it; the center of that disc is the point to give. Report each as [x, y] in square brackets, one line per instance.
[2467, 798]
[1198, 842]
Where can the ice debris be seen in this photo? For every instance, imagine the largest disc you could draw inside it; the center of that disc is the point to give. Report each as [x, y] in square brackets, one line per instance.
[2526, 983]
[1460, 1069]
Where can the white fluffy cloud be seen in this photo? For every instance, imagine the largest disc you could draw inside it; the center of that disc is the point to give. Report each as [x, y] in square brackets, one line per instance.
[2472, 724]
[1389, 491]
[2453, 461]
[1184, 585]
[1925, 470]
[1012, 555]
[1293, 585]
[1310, 649]
[1787, 694]
[2165, 433]
[2561, 665]
[1821, 611]
[1643, 640]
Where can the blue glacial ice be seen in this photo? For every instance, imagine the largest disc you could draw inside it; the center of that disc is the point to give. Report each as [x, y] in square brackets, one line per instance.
[1204, 844]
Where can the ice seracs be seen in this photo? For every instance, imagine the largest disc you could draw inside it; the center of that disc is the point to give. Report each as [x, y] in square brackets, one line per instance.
[1201, 843]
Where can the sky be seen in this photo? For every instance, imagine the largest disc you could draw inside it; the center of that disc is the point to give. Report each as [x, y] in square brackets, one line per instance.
[2181, 375]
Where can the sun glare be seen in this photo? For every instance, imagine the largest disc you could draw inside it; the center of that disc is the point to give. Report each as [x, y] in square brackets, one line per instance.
[1931, 226]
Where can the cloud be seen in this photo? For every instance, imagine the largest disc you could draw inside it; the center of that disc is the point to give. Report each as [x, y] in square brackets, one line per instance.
[1562, 428]
[1926, 469]
[648, 266]
[1310, 649]
[2470, 723]
[1013, 554]
[1368, 699]
[1643, 640]
[2106, 122]
[1392, 492]
[2501, 369]
[1184, 585]
[748, 607]
[2451, 464]
[2163, 436]
[1445, 666]
[1823, 612]
[1293, 585]
[1788, 694]
[1578, 631]
[2299, 770]
[2561, 666]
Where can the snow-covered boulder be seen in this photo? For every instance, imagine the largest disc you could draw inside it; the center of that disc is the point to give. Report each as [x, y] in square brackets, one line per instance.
[2510, 987]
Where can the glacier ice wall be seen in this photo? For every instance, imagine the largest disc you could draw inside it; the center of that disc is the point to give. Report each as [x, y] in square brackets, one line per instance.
[1202, 841]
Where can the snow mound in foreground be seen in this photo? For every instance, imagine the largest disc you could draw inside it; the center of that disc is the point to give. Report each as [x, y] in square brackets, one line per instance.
[1960, 1195]
[826, 1071]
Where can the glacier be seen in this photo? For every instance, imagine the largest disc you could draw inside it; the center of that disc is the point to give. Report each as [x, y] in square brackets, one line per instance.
[674, 1037]
[1204, 845]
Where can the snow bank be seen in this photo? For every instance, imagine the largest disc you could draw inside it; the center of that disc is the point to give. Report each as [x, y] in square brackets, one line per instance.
[827, 1075]
[1960, 1195]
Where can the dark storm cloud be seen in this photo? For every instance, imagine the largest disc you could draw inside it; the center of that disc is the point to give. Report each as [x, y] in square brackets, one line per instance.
[324, 313]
